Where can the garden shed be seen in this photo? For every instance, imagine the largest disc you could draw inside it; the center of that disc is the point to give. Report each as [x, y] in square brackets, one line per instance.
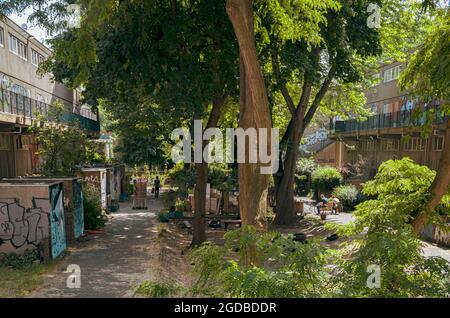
[73, 203]
[32, 216]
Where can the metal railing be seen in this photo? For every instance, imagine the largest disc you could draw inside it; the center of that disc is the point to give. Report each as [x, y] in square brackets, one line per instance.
[404, 118]
[17, 104]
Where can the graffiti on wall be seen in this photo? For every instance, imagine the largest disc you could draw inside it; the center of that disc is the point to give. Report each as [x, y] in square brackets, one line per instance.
[318, 136]
[21, 226]
[78, 210]
[58, 237]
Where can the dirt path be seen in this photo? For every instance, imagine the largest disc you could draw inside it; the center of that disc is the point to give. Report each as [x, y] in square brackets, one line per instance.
[112, 264]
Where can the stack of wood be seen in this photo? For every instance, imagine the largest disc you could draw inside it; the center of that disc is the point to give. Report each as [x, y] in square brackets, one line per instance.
[140, 194]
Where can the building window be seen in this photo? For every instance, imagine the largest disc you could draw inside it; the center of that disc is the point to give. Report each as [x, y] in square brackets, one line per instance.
[391, 73]
[438, 143]
[2, 37]
[414, 144]
[36, 58]
[18, 47]
[389, 145]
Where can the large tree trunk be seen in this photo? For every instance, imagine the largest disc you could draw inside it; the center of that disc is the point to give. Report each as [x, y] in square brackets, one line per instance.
[254, 112]
[286, 213]
[201, 169]
[439, 187]
[199, 226]
[285, 208]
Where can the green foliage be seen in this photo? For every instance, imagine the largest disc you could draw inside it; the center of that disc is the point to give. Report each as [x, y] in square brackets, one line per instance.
[222, 178]
[398, 190]
[306, 166]
[427, 73]
[93, 214]
[20, 261]
[348, 195]
[182, 177]
[325, 179]
[157, 289]
[64, 146]
[291, 269]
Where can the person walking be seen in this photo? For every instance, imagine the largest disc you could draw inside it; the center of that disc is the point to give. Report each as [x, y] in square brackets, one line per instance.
[157, 186]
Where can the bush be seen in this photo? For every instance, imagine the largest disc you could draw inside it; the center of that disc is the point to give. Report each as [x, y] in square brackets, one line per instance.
[157, 289]
[28, 258]
[181, 177]
[93, 214]
[383, 233]
[348, 195]
[325, 179]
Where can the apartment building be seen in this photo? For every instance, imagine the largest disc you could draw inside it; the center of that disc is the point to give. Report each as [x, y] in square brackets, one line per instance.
[393, 132]
[24, 95]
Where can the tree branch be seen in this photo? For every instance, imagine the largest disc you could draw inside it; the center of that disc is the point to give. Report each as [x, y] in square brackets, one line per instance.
[283, 89]
[319, 96]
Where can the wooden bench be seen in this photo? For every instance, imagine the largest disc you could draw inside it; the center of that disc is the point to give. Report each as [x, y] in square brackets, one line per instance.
[228, 222]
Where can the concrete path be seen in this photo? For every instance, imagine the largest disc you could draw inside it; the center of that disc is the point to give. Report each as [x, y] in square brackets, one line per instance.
[111, 264]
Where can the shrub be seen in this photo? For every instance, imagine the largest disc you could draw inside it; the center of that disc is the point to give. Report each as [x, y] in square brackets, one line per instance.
[292, 269]
[157, 289]
[325, 179]
[93, 214]
[181, 177]
[385, 238]
[28, 258]
[222, 178]
[348, 195]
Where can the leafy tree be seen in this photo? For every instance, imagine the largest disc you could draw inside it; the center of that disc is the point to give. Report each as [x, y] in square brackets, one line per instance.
[427, 76]
[387, 238]
[143, 59]
[329, 62]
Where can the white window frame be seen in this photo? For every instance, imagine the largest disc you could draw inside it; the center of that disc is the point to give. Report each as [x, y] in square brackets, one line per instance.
[17, 47]
[391, 74]
[36, 58]
[2, 37]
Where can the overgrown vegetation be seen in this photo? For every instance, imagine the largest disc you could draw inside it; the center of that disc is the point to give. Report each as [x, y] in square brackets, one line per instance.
[325, 179]
[348, 195]
[94, 218]
[380, 237]
[22, 273]
[157, 289]
[20, 261]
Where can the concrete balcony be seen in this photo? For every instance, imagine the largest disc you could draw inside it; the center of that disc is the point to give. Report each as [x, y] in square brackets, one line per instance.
[22, 110]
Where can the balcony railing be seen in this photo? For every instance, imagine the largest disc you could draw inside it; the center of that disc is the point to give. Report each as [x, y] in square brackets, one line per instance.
[404, 118]
[21, 105]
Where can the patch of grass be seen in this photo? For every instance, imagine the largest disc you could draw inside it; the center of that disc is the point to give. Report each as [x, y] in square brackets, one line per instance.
[151, 289]
[18, 283]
